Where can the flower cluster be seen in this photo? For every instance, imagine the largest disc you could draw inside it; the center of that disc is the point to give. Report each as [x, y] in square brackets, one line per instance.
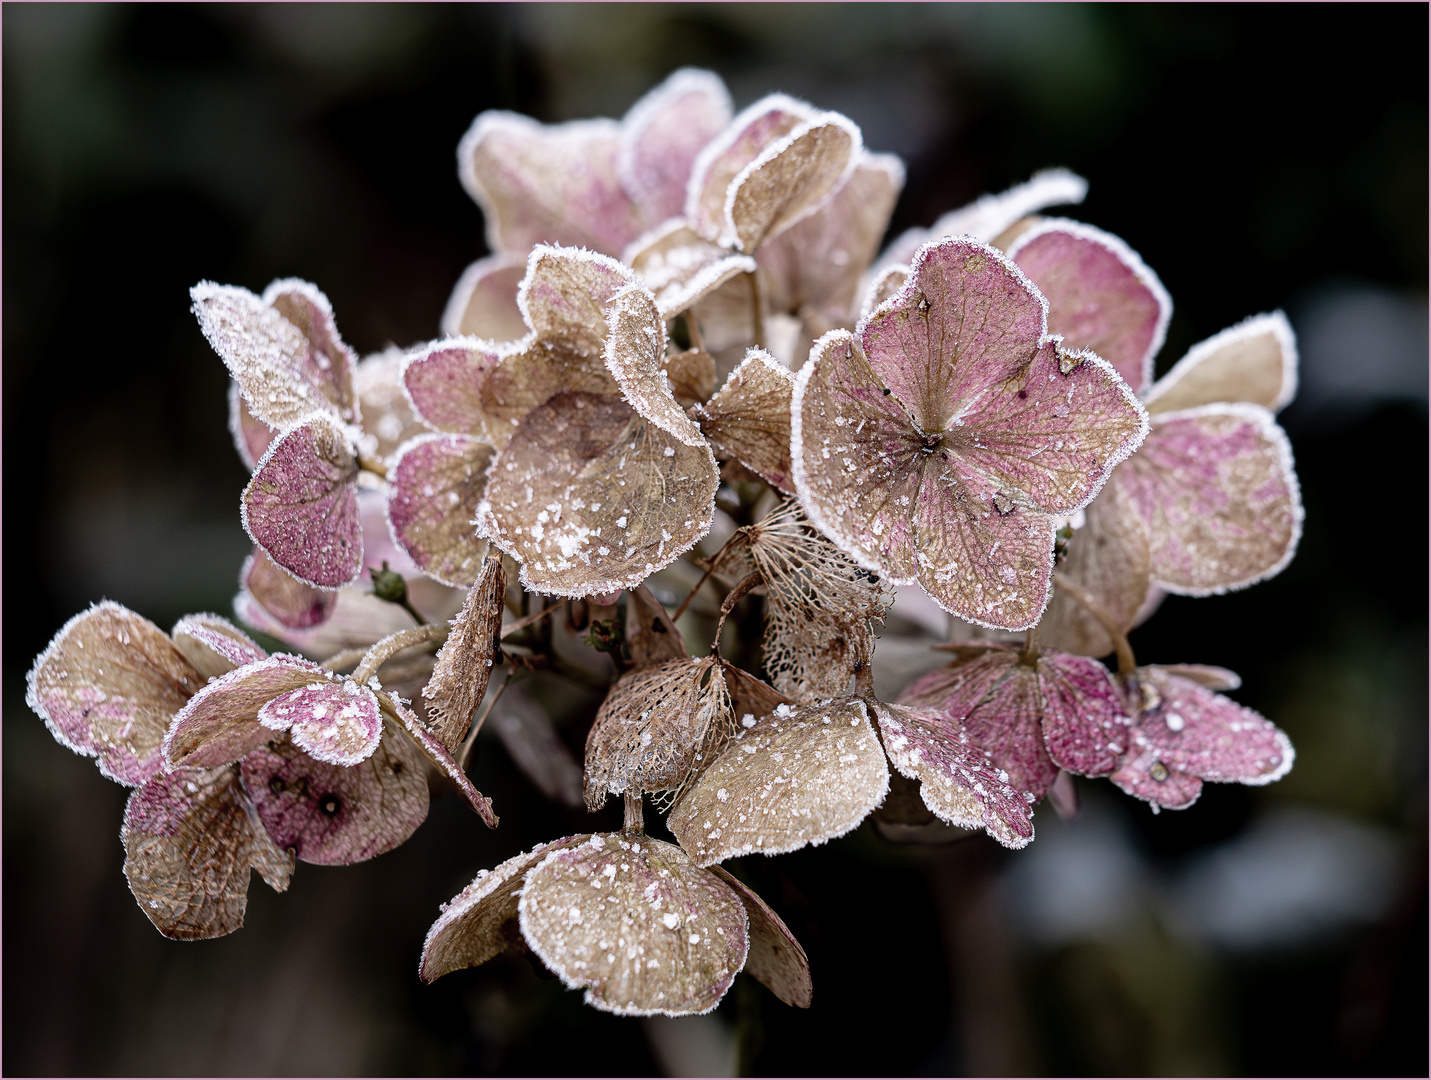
[686, 348]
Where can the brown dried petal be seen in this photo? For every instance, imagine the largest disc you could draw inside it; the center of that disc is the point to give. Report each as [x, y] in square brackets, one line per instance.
[636, 355]
[812, 655]
[681, 267]
[213, 645]
[750, 698]
[1253, 362]
[776, 958]
[434, 489]
[662, 135]
[651, 636]
[655, 727]
[800, 778]
[757, 127]
[590, 498]
[464, 663]
[749, 418]
[438, 757]
[484, 301]
[635, 923]
[190, 838]
[692, 375]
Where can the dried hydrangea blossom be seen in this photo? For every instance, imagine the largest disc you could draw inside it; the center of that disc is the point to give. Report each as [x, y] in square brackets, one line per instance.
[295, 605]
[1184, 734]
[748, 419]
[464, 664]
[106, 687]
[435, 485]
[936, 444]
[681, 267]
[484, 301]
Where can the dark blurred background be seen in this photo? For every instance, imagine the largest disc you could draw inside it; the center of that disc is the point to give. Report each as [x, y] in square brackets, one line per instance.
[1257, 157]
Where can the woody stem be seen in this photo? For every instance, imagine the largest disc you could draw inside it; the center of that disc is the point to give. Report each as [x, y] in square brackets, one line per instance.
[734, 597]
[1127, 665]
[1030, 650]
[526, 621]
[635, 820]
[709, 571]
[382, 651]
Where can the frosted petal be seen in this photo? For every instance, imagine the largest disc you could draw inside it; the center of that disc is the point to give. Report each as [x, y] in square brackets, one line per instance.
[220, 723]
[776, 958]
[956, 781]
[749, 696]
[663, 133]
[1253, 362]
[444, 382]
[802, 778]
[388, 416]
[1101, 295]
[590, 498]
[333, 815]
[434, 489]
[632, 921]
[213, 645]
[439, 758]
[107, 687]
[877, 287]
[749, 418]
[336, 723]
[1085, 725]
[251, 437]
[293, 604]
[464, 664]
[680, 267]
[301, 506]
[481, 920]
[484, 300]
[1217, 488]
[635, 356]
[651, 636]
[359, 618]
[189, 839]
[692, 375]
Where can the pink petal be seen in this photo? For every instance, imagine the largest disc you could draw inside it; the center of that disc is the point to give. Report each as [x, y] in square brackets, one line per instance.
[331, 815]
[484, 300]
[1085, 726]
[220, 723]
[293, 604]
[337, 723]
[251, 437]
[301, 506]
[434, 489]
[444, 383]
[1101, 296]
[330, 361]
[214, 645]
[663, 133]
[1253, 362]
[190, 838]
[1218, 490]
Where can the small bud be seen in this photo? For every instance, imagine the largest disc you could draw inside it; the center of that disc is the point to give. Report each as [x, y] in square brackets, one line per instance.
[388, 584]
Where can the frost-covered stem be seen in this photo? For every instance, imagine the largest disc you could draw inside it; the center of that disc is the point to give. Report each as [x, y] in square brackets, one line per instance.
[527, 620]
[635, 819]
[381, 652]
[373, 465]
[1030, 649]
[343, 658]
[757, 316]
[1127, 665]
[715, 559]
[734, 597]
[465, 750]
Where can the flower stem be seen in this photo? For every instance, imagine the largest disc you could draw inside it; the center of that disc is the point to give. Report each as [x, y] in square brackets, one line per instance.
[343, 658]
[465, 750]
[527, 620]
[750, 581]
[635, 818]
[382, 651]
[757, 316]
[1127, 665]
[373, 465]
[719, 555]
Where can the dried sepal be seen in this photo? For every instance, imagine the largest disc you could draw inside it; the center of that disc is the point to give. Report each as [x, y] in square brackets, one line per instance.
[633, 922]
[301, 506]
[651, 636]
[751, 699]
[292, 603]
[636, 356]
[811, 655]
[251, 436]
[681, 267]
[358, 619]
[776, 959]
[692, 375]
[749, 418]
[662, 134]
[1219, 492]
[213, 645]
[444, 383]
[388, 416]
[797, 777]
[190, 838]
[957, 782]
[591, 498]
[336, 723]
[656, 727]
[434, 488]
[1184, 734]
[1253, 362]
[1101, 295]
[1085, 723]
[484, 300]
[107, 686]
[438, 756]
[333, 815]
[881, 286]
[282, 348]
[464, 663]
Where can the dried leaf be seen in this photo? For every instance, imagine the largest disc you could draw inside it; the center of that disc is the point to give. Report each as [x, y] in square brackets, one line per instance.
[956, 780]
[635, 356]
[651, 636]
[662, 135]
[749, 418]
[1101, 295]
[776, 958]
[1253, 362]
[464, 663]
[213, 645]
[590, 498]
[292, 603]
[336, 723]
[484, 301]
[333, 815]
[800, 778]
[388, 416]
[190, 838]
[301, 506]
[655, 728]
[107, 686]
[434, 489]
[681, 267]
[632, 921]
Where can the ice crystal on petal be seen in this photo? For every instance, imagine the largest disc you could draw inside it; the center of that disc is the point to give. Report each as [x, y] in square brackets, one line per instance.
[337, 723]
[295, 605]
[434, 489]
[635, 356]
[681, 267]
[1253, 362]
[213, 645]
[749, 418]
[464, 664]
[776, 959]
[618, 945]
[803, 778]
[301, 506]
[751, 699]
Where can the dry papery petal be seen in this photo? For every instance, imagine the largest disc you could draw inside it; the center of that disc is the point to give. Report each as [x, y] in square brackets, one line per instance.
[656, 727]
[333, 815]
[213, 645]
[1101, 295]
[336, 723]
[282, 348]
[692, 375]
[107, 687]
[481, 920]
[881, 287]
[1253, 362]
[681, 267]
[776, 958]
[301, 506]
[797, 777]
[635, 356]
[251, 437]
[292, 603]
[806, 572]
[444, 383]
[1186, 733]
[662, 134]
[484, 300]
[749, 418]
[651, 636]
[464, 663]
[789, 180]
[957, 781]
[812, 655]
[388, 416]
[636, 924]
[189, 839]
[1219, 492]
[358, 619]
[1085, 723]
[591, 498]
[438, 757]
[434, 489]
[750, 698]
